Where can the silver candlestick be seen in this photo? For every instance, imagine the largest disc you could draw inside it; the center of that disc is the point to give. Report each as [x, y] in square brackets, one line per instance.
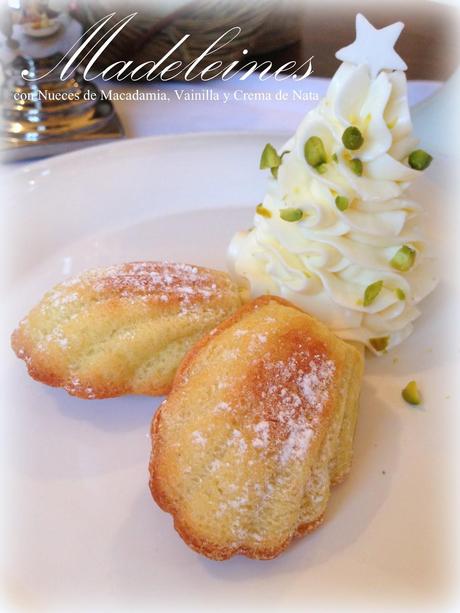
[47, 115]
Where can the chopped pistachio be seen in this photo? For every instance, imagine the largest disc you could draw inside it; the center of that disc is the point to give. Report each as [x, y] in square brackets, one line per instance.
[411, 393]
[419, 159]
[314, 151]
[322, 168]
[261, 210]
[400, 293]
[356, 166]
[341, 202]
[291, 214]
[352, 138]
[403, 259]
[269, 158]
[371, 292]
[334, 157]
[380, 343]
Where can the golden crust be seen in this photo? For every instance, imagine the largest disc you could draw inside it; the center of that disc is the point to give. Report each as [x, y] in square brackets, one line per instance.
[122, 329]
[235, 446]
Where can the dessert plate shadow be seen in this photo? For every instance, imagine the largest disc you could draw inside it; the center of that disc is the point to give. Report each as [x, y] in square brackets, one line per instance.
[81, 530]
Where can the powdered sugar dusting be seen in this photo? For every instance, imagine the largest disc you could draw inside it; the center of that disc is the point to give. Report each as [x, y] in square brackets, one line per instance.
[313, 384]
[296, 444]
[230, 354]
[293, 392]
[236, 439]
[256, 341]
[155, 281]
[262, 429]
[76, 386]
[215, 465]
[222, 406]
[198, 438]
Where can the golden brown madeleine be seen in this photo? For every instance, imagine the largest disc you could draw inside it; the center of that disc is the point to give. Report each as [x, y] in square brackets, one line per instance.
[122, 329]
[243, 444]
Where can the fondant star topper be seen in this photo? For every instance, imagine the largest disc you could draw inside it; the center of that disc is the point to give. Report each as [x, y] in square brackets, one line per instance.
[374, 47]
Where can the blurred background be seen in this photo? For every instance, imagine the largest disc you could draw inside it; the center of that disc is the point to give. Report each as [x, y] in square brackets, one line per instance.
[273, 32]
[281, 30]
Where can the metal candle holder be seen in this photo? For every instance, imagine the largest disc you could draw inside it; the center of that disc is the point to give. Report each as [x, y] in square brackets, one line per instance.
[47, 116]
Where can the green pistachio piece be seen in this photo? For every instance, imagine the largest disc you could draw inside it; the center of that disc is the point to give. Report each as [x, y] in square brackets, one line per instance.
[419, 159]
[269, 158]
[322, 168]
[291, 214]
[314, 151]
[411, 393]
[356, 166]
[403, 259]
[261, 210]
[400, 293]
[380, 343]
[341, 202]
[371, 292]
[334, 157]
[352, 138]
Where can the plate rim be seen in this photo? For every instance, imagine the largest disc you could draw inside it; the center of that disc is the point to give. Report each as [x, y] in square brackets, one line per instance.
[63, 158]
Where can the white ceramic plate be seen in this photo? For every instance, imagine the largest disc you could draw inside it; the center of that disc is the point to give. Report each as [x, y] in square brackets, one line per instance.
[81, 528]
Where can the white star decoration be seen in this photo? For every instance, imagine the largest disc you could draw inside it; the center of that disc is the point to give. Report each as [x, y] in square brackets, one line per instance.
[374, 47]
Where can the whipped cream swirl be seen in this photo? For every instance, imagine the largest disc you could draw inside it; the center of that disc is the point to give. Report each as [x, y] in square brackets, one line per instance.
[325, 261]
